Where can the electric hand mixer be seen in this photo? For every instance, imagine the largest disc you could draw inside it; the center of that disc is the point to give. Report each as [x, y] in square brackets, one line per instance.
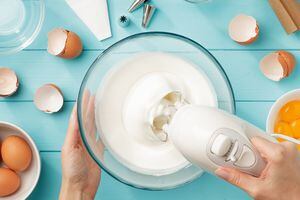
[225, 141]
[209, 137]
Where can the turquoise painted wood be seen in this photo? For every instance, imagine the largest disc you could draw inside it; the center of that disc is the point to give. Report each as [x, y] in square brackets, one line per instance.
[204, 23]
[242, 67]
[111, 189]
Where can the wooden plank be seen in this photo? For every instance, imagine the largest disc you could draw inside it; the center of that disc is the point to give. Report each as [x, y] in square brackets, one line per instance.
[242, 67]
[248, 82]
[48, 131]
[110, 189]
[206, 23]
[36, 68]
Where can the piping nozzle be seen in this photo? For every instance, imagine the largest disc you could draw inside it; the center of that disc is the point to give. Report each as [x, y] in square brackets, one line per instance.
[148, 14]
[136, 4]
[123, 21]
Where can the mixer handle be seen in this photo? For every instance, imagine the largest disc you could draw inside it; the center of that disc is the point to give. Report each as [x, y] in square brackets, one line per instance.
[230, 149]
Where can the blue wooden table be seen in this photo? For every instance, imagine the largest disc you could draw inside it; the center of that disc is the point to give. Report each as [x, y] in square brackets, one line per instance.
[205, 23]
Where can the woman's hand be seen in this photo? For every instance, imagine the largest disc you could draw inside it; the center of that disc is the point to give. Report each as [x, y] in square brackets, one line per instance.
[280, 180]
[80, 174]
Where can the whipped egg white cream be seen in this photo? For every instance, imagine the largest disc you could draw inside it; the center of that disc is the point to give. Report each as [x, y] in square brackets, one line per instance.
[126, 102]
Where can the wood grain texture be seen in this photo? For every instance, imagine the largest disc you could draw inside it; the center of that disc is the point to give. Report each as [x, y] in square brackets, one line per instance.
[206, 187]
[205, 23]
[36, 68]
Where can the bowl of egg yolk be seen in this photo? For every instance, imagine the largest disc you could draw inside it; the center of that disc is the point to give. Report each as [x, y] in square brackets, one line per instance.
[284, 116]
[20, 163]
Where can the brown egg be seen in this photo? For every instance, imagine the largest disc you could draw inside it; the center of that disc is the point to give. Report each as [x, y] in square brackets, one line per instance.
[16, 153]
[9, 182]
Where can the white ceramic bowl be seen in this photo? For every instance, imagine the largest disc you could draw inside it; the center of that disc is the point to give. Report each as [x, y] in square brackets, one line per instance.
[279, 103]
[30, 177]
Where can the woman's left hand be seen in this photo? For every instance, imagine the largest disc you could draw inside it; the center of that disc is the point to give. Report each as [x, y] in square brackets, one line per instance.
[80, 173]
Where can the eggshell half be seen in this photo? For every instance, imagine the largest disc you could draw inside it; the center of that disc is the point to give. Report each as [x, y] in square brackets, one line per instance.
[9, 82]
[64, 43]
[49, 98]
[9, 182]
[272, 68]
[243, 29]
[73, 46]
[277, 65]
[57, 39]
[287, 59]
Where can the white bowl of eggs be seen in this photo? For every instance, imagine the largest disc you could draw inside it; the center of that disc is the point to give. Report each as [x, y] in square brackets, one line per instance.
[20, 163]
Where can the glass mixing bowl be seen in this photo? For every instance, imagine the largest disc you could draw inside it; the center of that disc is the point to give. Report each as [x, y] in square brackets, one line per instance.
[145, 42]
[20, 23]
[198, 1]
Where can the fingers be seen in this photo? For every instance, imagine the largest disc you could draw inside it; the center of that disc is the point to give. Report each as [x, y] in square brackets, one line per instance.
[290, 147]
[72, 137]
[100, 149]
[266, 148]
[239, 179]
[90, 115]
[85, 101]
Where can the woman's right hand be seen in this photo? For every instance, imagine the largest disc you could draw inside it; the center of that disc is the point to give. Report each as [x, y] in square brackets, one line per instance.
[280, 180]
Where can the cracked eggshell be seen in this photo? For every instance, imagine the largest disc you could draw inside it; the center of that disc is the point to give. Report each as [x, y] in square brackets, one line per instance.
[49, 98]
[277, 65]
[57, 39]
[64, 43]
[243, 29]
[287, 59]
[9, 82]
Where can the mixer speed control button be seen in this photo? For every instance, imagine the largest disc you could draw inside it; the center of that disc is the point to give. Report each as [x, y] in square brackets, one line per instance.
[231, 156]
[221, 145]
[246, 159]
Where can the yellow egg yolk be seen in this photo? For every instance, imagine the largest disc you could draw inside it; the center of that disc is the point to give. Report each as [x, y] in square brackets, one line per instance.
[295, 125]
[283, 128]
[290, 111]
[288, 121]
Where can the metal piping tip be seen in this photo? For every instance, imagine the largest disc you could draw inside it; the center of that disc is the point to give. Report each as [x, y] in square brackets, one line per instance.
[148, 13]
[123, 21]
[136, 4]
